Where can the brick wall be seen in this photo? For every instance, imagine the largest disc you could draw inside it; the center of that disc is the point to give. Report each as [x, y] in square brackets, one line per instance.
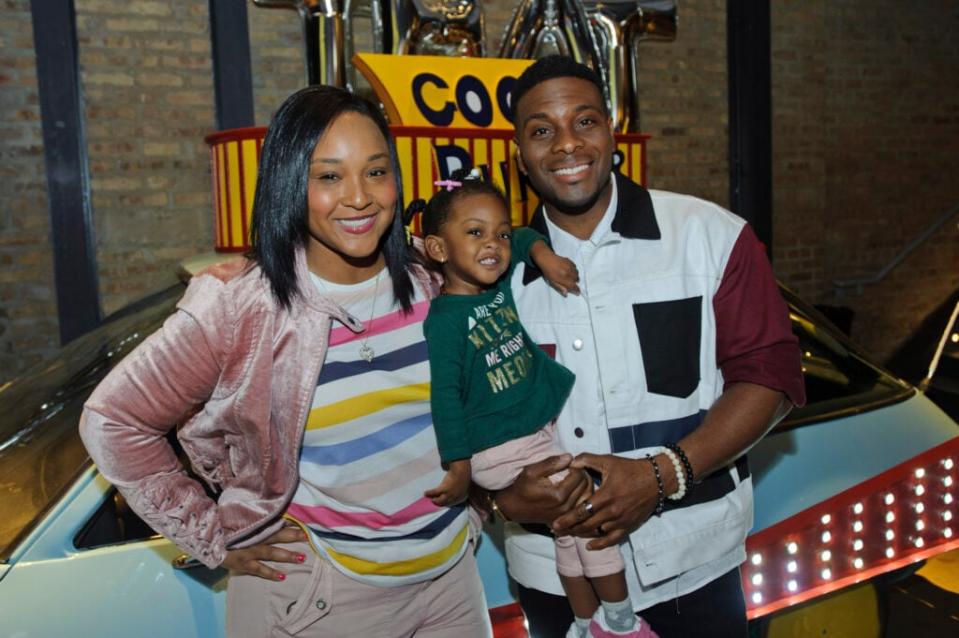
[277, 57]
[866, 147]
[865, 118]
[28, 323]
[145, 69]
[798, 143]
[684, 104]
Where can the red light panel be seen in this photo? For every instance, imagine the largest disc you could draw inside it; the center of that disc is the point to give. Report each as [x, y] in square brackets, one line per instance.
[899, 517]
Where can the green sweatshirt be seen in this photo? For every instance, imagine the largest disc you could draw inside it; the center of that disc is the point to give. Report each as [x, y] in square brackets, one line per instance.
[489, 382]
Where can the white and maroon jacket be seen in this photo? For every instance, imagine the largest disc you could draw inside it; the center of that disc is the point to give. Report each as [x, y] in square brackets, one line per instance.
[678, 301]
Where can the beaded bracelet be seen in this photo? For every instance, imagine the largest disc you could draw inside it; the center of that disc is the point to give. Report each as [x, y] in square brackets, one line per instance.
[660, 488]
[690, 477]
[680, 475]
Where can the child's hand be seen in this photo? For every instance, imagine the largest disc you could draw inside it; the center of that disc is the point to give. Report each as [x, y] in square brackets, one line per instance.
[560, 272]
[454, 486]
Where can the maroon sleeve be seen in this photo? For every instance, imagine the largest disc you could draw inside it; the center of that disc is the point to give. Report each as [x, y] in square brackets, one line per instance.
[754, 340]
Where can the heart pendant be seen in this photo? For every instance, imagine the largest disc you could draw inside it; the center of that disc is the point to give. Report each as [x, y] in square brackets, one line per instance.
[366, 353]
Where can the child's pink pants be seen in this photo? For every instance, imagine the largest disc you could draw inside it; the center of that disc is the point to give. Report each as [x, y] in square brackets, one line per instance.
[497, 467]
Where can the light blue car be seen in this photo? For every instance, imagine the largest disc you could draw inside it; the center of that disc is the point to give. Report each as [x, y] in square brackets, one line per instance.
[75, 561]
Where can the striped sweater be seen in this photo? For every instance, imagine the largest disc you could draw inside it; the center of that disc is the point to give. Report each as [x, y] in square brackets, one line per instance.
[369, 452]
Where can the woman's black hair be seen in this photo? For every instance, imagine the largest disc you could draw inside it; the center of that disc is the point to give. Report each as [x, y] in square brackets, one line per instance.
[437, 211]
[280, 206]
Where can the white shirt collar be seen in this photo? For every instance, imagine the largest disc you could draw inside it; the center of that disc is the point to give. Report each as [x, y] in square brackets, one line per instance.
[566, 244]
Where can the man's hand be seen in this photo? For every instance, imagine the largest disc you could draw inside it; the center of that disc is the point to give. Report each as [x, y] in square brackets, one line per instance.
[248, 560]
[454, 486]
[534, 498]
[624, 500]
[560, 272]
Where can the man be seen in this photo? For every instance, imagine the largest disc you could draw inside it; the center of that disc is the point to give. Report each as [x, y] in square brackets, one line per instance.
[679, 336]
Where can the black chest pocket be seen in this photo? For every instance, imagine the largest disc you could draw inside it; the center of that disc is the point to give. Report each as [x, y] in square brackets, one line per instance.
[669, 336]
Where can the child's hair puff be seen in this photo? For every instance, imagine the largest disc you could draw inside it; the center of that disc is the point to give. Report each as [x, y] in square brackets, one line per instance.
[437, 211]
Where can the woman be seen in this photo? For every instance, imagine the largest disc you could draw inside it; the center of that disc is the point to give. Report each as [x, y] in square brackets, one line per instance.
[301, 381]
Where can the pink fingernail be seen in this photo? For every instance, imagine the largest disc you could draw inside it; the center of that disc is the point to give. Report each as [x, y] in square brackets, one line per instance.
[281, 576]
[301, 557]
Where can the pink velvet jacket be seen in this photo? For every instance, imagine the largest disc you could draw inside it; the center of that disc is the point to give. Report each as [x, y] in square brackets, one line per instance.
[236, 372]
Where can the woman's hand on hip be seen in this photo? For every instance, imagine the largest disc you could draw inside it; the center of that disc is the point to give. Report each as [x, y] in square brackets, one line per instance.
[248, 560]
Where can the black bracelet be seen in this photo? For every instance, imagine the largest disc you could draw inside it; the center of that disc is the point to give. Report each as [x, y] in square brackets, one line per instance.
[690, 478]
[660, 488]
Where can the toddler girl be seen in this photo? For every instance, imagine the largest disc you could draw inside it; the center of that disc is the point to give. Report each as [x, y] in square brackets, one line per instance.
[494, 393]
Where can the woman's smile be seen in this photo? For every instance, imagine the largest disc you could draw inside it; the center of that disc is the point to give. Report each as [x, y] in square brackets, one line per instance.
[358, 225]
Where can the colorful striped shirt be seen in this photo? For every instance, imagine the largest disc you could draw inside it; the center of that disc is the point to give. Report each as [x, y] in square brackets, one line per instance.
[369, 451]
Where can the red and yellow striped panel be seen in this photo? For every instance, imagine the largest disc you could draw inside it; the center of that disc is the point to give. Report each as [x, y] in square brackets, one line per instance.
[234, 155]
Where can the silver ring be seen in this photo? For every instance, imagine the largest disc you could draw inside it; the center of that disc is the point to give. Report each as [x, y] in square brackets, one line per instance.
[588, 506]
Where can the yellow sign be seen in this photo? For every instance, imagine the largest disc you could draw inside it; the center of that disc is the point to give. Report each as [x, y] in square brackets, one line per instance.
[427, 90]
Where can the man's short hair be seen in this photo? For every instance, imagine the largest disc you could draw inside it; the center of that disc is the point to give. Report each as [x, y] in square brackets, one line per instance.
[549, 68]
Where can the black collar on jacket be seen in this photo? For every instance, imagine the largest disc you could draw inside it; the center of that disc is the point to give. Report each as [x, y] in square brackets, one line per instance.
[634, 218]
